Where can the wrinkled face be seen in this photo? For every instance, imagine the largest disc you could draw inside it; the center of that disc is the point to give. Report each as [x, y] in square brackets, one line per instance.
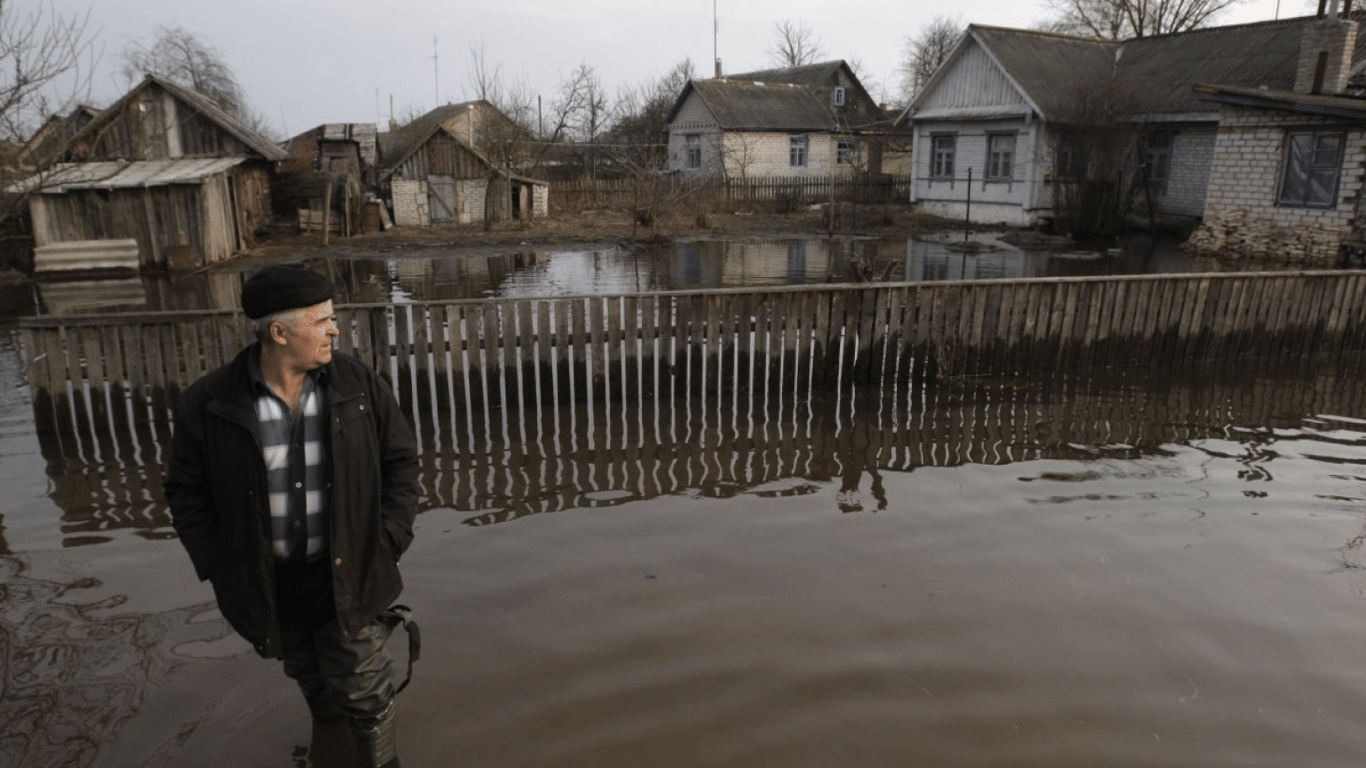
[307, 342]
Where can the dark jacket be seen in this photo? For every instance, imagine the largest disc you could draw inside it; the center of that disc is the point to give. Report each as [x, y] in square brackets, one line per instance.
[216, 488]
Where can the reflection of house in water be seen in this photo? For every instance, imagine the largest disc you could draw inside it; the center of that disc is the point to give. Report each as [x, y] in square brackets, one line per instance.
[936, 261]
[718, 264]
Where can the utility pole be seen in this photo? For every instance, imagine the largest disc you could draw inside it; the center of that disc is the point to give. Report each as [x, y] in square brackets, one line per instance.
[436, 84]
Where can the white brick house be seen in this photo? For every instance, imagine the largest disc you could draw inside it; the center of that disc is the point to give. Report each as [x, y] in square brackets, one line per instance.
[1289, 166]
[810, 120]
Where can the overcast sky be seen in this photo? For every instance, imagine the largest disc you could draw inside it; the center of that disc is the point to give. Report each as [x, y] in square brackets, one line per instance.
[302, 63]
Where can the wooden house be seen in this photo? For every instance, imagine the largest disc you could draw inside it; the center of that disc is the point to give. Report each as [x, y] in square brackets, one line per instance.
[815, 119]
[1032, 117]
[434, 174]
[49, 140]
[332, 168]
[164, 169]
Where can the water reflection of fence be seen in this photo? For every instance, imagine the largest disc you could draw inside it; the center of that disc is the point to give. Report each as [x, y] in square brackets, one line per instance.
[535, 405]
[500, 464]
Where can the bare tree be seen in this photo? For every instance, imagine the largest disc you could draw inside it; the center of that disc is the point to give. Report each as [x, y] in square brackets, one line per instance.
[183, 57]
[47, 60]
[794, 45]
[926, 50]
[1124, 19]
[507, 139]
[636, 143]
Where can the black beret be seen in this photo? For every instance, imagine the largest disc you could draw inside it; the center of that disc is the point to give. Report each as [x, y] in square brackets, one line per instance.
[278, 288]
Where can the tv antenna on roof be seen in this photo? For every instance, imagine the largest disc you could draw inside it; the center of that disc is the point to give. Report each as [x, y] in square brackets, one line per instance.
[436, 75]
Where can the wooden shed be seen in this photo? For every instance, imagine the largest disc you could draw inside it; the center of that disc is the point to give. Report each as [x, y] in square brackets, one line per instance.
[333, 167]
[434, 175]
[164, 167]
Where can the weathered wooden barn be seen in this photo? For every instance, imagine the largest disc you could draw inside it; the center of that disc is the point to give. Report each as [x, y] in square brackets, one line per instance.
[331, 168]
[435, 175]
[162, 167]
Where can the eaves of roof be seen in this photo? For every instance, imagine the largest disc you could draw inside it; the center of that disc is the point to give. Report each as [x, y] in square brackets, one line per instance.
[110, 174]
[1286, 101]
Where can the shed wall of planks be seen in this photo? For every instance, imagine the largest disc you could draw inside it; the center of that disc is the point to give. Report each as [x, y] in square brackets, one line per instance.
[482, 354]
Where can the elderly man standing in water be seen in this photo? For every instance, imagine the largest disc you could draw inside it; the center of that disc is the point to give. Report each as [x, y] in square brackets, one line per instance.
[293, 485]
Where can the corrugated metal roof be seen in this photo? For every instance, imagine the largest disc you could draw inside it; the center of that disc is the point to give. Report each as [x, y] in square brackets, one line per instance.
[143, 173]
[758, 106]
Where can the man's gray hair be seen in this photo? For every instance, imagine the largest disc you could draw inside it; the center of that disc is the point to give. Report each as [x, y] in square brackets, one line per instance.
[287, 317]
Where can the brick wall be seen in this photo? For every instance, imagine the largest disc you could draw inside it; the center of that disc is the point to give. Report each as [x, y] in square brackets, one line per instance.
[1242, 217]
[410, 202]
[1188, 174]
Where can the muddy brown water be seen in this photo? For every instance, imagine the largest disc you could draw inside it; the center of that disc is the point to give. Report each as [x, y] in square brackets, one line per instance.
[1135, 569]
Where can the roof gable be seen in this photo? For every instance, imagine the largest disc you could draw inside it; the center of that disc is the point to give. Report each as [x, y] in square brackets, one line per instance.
[195, 104]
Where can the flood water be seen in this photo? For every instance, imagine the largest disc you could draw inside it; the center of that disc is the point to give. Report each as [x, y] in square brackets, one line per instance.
[439, 273]
[1131, 569]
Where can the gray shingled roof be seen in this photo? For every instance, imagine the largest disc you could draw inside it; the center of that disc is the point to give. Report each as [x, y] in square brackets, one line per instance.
[1050, 68]
[1153, 75]
[758, 106]
[1159, 71]
[809, 75]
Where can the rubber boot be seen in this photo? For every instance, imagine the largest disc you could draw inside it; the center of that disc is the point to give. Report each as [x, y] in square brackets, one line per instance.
[377, 739]
[333, 745]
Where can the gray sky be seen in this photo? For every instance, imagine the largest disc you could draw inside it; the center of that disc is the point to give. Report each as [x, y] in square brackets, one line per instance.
[302, 63]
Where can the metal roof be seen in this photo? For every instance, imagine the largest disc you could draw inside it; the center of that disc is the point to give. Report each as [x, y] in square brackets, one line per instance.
[115, 175]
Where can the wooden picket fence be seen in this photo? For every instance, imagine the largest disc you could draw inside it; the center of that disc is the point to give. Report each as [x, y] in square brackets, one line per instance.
[507, 352]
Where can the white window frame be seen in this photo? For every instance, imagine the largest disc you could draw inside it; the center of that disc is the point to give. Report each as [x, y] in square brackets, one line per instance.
[847, 152]
[799, 150]
[1001, 161]
[943, 154]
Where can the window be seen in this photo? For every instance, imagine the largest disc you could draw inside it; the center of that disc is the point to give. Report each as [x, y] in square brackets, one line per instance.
[1157, 156]
[846, 153]
[941, 156]
[692, 150]
[837, 96]
[1312, 162]
[1000, 156]
[799, 146]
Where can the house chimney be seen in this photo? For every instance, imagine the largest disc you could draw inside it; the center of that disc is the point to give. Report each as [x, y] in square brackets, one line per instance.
[718, 69]
[1325, 54]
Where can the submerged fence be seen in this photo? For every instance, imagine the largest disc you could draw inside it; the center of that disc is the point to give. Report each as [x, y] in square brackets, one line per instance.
[536, 405]
[506, 352]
